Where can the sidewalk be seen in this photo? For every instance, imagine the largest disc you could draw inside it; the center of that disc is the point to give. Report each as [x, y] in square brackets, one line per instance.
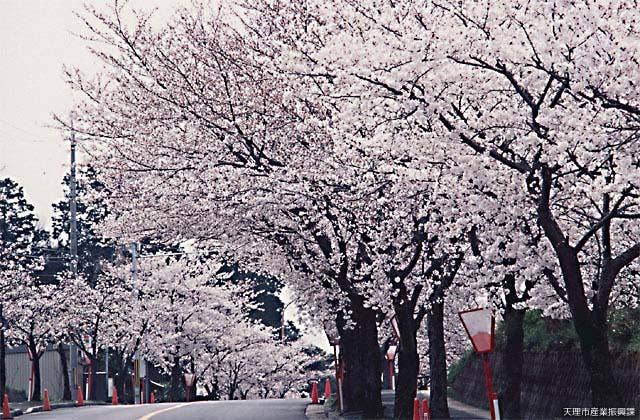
[457, 409]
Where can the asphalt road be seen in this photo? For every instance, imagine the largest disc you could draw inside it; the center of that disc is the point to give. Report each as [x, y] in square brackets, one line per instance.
[292, 409]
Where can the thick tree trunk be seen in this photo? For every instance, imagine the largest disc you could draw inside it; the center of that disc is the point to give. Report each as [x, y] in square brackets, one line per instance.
[513, 361]
[592, 330]
[591, 327]
[3, 366]
[120, 384]
[437, 362]
[121, 376]
[408, 364]
[359, 345]
[64, 366]
[37, 394]
[35, 366]
[594, 346]
[192, 391]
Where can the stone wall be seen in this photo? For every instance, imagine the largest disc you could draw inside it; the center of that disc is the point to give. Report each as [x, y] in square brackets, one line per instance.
[551, 382]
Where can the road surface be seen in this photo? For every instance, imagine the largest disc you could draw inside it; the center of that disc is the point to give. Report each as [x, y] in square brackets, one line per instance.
[292, 409]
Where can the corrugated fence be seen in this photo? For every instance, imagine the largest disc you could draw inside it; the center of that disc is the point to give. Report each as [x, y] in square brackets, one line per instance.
[19, 369]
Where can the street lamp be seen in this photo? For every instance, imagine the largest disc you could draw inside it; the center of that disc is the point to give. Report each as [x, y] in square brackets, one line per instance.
[189, 379]
[334, 340]
[391, 355]
[480, 326]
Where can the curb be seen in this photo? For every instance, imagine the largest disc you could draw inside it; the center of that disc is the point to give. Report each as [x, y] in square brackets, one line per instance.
[315, 412]
[39, 408]
[16, 413]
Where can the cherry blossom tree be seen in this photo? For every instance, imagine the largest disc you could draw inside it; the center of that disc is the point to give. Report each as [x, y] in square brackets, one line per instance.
[339, 144]
[522, 87]
[344, 220]
[237, 107]
[86, 316]
[33, 322]
[583, 192]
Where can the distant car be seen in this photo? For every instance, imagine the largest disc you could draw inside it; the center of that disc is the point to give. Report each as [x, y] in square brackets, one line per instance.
[423, 382]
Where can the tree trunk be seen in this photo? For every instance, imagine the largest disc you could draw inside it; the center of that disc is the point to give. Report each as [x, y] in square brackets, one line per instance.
[513, 361]
[437, 361]
[592, 330]
[120, 384]
[176, 381]
[362, 386]
[232, 388]
[3, 366]
[64, 366]
[408, 364]
[591, 327]
[594, 345]
[213, 391]
[35, 366]
[120, 378]
[37, 394]
[192, 390]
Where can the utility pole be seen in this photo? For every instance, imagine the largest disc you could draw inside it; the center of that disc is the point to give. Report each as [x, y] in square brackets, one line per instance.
[73, 228]
[136, 358]
[73, 250]
[134, 264]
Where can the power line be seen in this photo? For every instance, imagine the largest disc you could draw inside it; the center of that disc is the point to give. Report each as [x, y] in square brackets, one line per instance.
[176, 253]
[35, 138]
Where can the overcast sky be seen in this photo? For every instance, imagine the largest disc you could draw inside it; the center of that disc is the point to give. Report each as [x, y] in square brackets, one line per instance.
[36, 39]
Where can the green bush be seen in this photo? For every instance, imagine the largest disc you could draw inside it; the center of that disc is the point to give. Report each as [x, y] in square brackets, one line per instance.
[543, 334]
[547, 334]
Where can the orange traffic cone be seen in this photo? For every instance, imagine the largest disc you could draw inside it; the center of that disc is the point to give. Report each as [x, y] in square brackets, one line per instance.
[80, 397]
[327, 389]
[114, 396]
[314, 392]
[152, 398]
[416, 409]
[6, 411]
[426, 412]
[46, 406]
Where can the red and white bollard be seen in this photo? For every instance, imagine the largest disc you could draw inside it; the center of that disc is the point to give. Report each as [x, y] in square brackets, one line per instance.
[416, 409]
[426, 411]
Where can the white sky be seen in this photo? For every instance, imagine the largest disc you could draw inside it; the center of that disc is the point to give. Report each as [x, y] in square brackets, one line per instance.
[36, 39]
